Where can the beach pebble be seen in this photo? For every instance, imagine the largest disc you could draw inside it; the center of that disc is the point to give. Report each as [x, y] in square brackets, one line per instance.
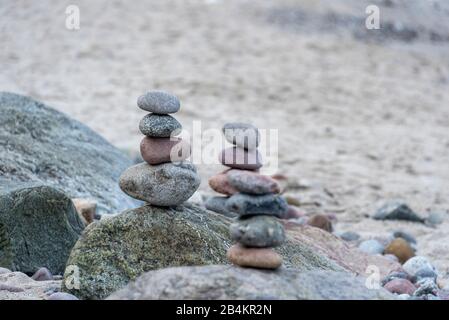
[320, 221]
[160, 126]
[398, 275]
[371, 246]
[239, 158]
[404, 235]
[159, 102]
[391, 257]
[264, 258]
[426, 286]
[400, 286]
[426, 272]
[401, 249]
[165, 184]
[396, 210]
[62, 296]
[350, 236]
[252, 182]
[413, 265]
[163, 150]
[403, 296]
[43, 274]
[218, 205]
[292, 200]
[246, 205]
[220, 183]
[434, 219]
[293, 213]
[258, 231]
[4, 270]
[242, 134]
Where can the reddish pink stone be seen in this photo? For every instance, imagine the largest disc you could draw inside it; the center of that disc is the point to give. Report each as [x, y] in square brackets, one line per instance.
[252, 183]
[220, 183]
[162, 150]
[400, 286]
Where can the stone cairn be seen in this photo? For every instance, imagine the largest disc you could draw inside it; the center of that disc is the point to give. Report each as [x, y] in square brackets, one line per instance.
[253, 197]
[166, 178]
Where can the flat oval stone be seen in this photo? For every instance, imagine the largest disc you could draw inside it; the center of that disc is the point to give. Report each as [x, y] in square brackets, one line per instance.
[252, 183]
[159, 102]
[162, 150]
[218, 205]
[263, 258]
[166, 184]
[239, 158]
[243, 135]
[247, 205]
[220, 183]
[258, 231]
[159, 126]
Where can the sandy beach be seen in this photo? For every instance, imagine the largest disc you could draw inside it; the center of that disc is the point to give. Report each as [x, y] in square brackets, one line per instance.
[362, 119]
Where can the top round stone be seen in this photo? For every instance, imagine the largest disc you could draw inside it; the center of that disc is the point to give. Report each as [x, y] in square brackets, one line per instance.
[243, 135]
[158, 102]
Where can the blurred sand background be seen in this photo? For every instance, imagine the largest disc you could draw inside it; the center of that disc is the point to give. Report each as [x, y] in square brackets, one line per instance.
[363, 115]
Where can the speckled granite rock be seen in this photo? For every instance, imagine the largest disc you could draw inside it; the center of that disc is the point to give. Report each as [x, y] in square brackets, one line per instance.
[233, 283]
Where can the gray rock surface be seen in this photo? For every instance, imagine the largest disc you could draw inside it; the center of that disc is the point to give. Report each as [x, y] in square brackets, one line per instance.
[158, 125]
[166, 184]
[38, 228]
[234, 283]
[159, 102]
[41, 145]
[218, 205]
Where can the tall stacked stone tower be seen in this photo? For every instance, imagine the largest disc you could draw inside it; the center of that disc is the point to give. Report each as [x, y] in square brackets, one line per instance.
[166, 178]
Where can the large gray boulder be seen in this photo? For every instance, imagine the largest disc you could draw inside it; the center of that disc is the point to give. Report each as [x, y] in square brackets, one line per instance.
[39, 144]
[231, 283]
[117, 249]
[39, 226]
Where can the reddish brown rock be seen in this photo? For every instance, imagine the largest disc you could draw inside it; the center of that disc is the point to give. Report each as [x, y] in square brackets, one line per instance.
[162, 150]
[400, 286]
[321, 221]
[239, 158]
[263, 258]
[220, 183]
[401, 249]
[252, 183]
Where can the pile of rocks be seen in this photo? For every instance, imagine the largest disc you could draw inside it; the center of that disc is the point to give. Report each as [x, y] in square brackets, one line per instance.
[166, 178]
[253, 197]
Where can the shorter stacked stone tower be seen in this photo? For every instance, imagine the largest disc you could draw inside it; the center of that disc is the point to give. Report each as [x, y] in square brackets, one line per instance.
[253, 197]
[165, 178]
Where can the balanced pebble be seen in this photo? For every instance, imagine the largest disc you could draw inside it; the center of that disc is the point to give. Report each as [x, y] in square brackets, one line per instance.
[258, 231]
[220, 183]
[239, 158]
[264, 258]
[159, 126]
[252, 183]
[159, 102]
[247, 205]
[242, 134]
[161, 150]
[165, 184]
